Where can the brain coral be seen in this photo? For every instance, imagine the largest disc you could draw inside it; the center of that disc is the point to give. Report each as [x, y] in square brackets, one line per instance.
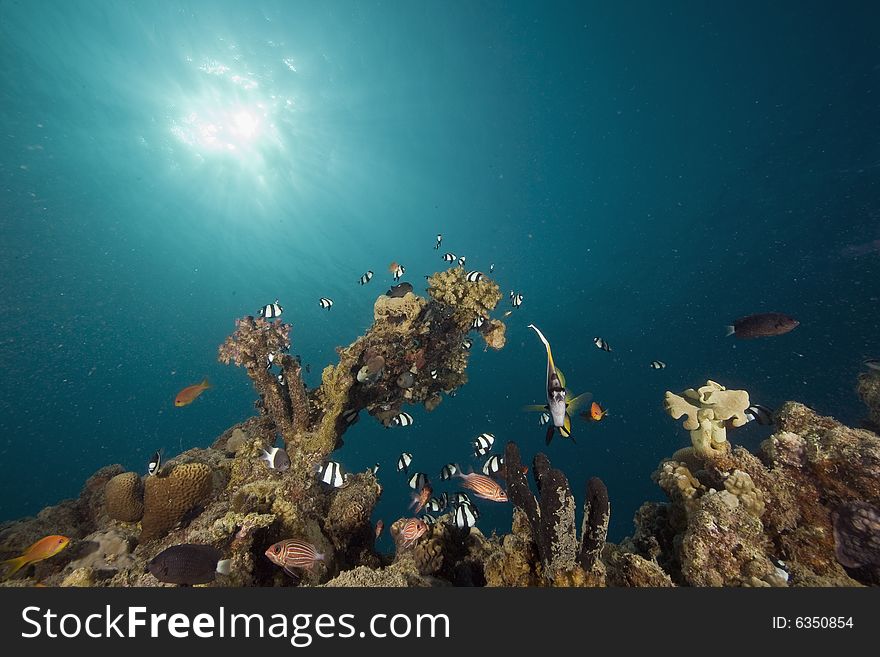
[168, 499]
[124, 497]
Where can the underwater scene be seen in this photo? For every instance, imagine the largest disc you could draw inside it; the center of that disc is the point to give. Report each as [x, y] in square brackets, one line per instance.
[428, 294]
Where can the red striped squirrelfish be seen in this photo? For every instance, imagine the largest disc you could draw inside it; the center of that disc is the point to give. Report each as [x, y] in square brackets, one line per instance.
[413, 529]
[189, 394]
[46, 547]
[294, 553]
[483, 486]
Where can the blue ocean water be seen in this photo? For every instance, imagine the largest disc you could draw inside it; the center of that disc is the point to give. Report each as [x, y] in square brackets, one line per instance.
[644, 172]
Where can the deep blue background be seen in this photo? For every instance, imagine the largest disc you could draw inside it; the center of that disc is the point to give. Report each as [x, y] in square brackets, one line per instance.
[645, 172]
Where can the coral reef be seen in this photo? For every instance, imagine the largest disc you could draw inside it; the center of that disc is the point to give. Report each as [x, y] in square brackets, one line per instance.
[803, 511]
[389, 366]
[736, 519]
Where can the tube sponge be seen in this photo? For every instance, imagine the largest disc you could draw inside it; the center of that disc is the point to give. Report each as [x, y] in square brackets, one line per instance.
[710, 409]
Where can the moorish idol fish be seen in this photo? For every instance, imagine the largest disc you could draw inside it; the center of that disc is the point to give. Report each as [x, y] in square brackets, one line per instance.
[558, 404]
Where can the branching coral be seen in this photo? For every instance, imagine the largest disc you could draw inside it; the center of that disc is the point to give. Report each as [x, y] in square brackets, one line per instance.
[251, 346]
[414, 351]
[551, 517]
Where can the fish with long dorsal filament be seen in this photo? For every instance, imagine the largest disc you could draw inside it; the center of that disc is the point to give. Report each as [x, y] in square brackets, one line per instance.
[558, 404]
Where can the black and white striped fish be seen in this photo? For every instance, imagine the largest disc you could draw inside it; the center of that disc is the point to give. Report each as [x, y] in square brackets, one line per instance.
[428, 519]
[404, 461]
[544, 418]
[657, 365]
[761, 414]
[439, 242]
[601, 344]
[402, 419]
[433, 374]
[435, 504]
[516, 300]
[270, 359]
[467, 343]
[483, 444]
[324, 302]
[276, 458]
[478, 321]
[331, 474]
[366, 278]
[271, 310]
[491, 267]
[459, 498]
[466, 515]
[155, 463]
[418, 480]
[493, 464]
[281, 380]
[375, 469]
[448, 471]
[350, 416]
[400, 271]
[449, 257]
[474, 276]
[461, 261]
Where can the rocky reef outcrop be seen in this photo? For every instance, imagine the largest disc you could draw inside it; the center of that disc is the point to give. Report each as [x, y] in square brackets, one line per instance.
[739, 519]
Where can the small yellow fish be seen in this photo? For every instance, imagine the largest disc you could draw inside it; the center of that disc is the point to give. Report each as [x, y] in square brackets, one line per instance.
[46, 547]
[189, 394]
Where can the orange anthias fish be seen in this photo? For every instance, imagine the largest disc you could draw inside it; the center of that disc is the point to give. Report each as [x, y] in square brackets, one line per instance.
[393, 267]
[597, 412]
[379, 527]
[42, 549]
[189, 394]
